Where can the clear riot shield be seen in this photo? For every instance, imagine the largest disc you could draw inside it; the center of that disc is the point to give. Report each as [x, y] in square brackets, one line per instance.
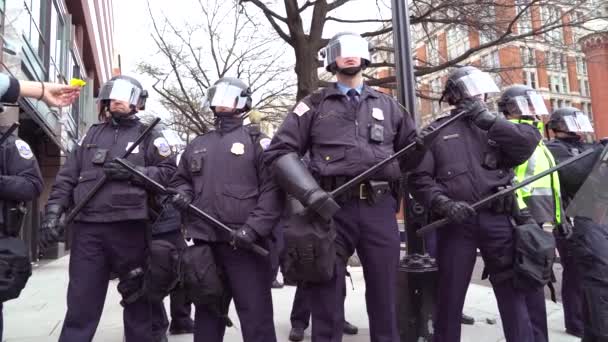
[588, 246]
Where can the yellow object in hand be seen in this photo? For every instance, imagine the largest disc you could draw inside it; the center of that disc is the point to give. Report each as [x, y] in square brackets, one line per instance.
[77, 82]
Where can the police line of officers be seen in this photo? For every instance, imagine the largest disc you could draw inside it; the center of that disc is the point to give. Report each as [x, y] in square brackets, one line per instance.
[241, 177]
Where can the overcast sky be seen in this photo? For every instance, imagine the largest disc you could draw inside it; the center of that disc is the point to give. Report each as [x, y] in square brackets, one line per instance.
[133, 27]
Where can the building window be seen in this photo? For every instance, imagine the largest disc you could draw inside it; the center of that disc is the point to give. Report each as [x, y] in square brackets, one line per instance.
[458, 41]
[530, 78]
[581, 66]
[436, 91]
[552, 15]
[31, 22]
[432, 50]
[524, 23]
[56, 47]
[528, 56]
[491, 60]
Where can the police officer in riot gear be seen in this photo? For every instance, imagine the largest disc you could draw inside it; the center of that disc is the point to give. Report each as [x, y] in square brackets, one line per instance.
[568, 126]
[347, 128]
[468, 161]
[222, 173]
[109, 234]
[20, 177]
[542, 199]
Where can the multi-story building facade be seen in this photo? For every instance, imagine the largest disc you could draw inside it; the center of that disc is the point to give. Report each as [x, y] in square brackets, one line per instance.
[55, 40]
[555, 63]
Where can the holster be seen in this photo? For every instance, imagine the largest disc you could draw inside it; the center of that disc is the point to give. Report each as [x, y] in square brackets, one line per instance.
[376, 190]
[14, 218]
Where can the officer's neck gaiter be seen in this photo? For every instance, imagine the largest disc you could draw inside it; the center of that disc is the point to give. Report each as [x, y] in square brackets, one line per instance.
[352, 71]
[228, 123]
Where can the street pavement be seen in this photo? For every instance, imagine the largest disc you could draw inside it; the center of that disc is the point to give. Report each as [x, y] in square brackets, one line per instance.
[37, 315]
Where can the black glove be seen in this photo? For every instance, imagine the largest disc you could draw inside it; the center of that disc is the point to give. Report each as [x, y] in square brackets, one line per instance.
[424, 138]
[455, 211]
[245, 237]
[115, 171]
[179, 199]
[477, 112]
[50, 230]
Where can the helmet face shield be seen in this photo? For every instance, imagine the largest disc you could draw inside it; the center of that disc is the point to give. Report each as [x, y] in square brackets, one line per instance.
[226, 95]
[578, 123]
[347, 46]
[120, 90]
[476, 83]
[530, 105]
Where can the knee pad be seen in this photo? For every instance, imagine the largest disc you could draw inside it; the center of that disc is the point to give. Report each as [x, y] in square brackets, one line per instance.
[596, 319]
[130, 286]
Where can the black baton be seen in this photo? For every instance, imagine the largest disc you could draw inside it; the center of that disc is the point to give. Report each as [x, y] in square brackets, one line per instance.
[439, 223]
[161, 189]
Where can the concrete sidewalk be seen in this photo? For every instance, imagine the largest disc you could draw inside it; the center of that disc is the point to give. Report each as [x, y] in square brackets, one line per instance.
[38, 314]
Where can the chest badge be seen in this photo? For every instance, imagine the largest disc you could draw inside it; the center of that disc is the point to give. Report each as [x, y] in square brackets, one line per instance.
[237, 149]
[377, 114]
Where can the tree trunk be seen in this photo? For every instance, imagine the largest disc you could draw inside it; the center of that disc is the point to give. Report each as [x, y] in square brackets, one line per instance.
[306, 70]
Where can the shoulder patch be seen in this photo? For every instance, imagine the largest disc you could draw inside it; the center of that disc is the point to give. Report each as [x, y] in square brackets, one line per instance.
[162, 146]
[265, 142]
[301, 109]
[24, 149]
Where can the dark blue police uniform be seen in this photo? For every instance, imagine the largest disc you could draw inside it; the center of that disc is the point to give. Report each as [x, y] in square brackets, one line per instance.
[222, 171]
[456, 165]
[335, 129]
[109, 234]
[20, 177]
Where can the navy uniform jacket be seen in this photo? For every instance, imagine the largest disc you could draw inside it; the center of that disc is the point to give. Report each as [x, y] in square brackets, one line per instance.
[223, 172]
[338, 136]
[117, 200]
[20, 177]
[454, 162]
[573, 176]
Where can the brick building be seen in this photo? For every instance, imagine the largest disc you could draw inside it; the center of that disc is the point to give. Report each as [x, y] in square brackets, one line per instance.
[55, 40]
[560, 70]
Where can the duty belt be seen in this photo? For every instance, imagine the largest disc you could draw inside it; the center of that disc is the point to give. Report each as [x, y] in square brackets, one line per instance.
[371, 190]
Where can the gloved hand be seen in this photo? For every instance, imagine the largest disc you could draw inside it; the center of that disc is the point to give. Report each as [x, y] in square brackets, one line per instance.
[455, 211]
[424, 138]
[477, 112]
[179, 199]
[115, 171]
[245, 237]
[50, 230]
[323, 204]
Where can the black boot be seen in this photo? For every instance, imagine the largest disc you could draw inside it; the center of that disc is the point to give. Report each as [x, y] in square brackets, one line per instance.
[181, 327]
[350, 329]
[296, 334]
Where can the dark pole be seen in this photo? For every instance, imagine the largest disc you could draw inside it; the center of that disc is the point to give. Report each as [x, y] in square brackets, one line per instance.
[416, 281]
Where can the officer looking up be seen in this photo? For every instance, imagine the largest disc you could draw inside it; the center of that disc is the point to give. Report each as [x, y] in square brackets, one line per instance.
[468, 161]
[347, 128]
[109, 234]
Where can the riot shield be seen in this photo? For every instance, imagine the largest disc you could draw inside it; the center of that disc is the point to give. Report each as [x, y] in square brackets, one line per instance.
[589, 246]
